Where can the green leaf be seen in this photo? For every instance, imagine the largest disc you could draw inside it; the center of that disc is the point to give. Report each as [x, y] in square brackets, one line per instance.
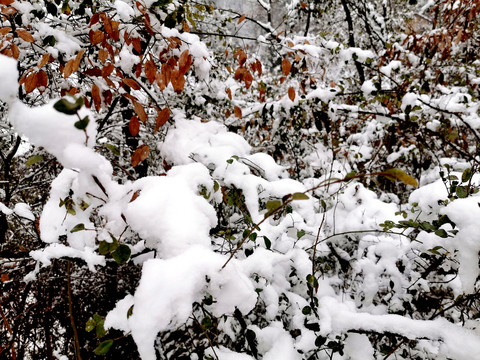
[400, 175]
[67, 107]
[105, 247]
[207, 322]
[82, 124]
[130, 311]
[268, 243]
[122, 254]
[306, 310]
[104, 347]
[100, 329]
[170, 20]
[97, 318]
[216, 186]
[350, 175]
[253, 236]
[442, 233]
[90, 325]
[461, 191]
[84, 206]
[467, 175]
[115, 150]
[271, 206]
[78, 227]
[320, 340]
[33, 160]
[300, 233]
[300, 196]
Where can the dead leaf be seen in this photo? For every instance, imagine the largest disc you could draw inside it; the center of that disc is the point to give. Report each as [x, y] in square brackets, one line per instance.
[178, 81]
[5, 30]
[107, 69]
[184, 62]
[286, 67]
[44, 60]
[78, 59]
[229, 93]
[150, 71]
[42, 81]
[134, 126]
[96, 37]
[291, 93]
[237, 111]
[68, 70]
[140, 154]
[25, 35]
[243, 17]
[248, 79]
[162, 118]
[140, 111]
[31, 82]
[97, 100]
[132, 83]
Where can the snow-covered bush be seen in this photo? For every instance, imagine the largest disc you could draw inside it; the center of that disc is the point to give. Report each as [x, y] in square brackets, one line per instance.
[170, 191]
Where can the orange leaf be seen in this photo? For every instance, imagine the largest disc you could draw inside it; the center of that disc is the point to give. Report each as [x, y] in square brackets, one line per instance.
[140, 155]
[241, 56]
[291, 93]
[248, 79]
[97, 100]
[25, 35]
[134, 126]
[286, 67]
[150, 71]
[140, 111]
[94, 19]
[135, 195]
[96, 37]
[68, 70]
[5, 30]
[4, 277]
[6, 2]
[132, 83]
[15, 51]
[78, 58]
[44, 60]
[237, 111]
[162, 118]
[31, 82]
[184, 62]
[107, 69]
[243, 17]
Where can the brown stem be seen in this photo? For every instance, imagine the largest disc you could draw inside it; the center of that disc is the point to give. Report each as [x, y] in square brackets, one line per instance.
[70, 310]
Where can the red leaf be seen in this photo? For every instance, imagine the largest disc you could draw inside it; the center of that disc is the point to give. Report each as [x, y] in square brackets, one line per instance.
[31, 82]
[248, 79]
[68, 70]
[96, 37]
[150, 71]
[184, 62]
[243, 17]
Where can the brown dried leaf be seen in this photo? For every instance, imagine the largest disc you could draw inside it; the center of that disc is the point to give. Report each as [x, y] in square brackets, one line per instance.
[243, 17]
[248, 79]
[44, 60]
[68, 70]
[6, 2]
[102, 55]
[135, 195]
[286, 67]
[42, 81]
[229, 93]
[5, 30]
[132, 83]
[25, 35]
[184, 62]
[31, 82]
[15, 51]
[107, 69]
[291, 93]
[97, 100]
[78, 59]
[140, 111]
[178, 81]
[140, 154]
[237, 111]
[137, 45]
[96, 37]
[150, 71]
[134, 126]
[162, 118]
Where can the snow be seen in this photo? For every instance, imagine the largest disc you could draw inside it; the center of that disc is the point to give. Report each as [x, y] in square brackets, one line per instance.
[9, 76]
